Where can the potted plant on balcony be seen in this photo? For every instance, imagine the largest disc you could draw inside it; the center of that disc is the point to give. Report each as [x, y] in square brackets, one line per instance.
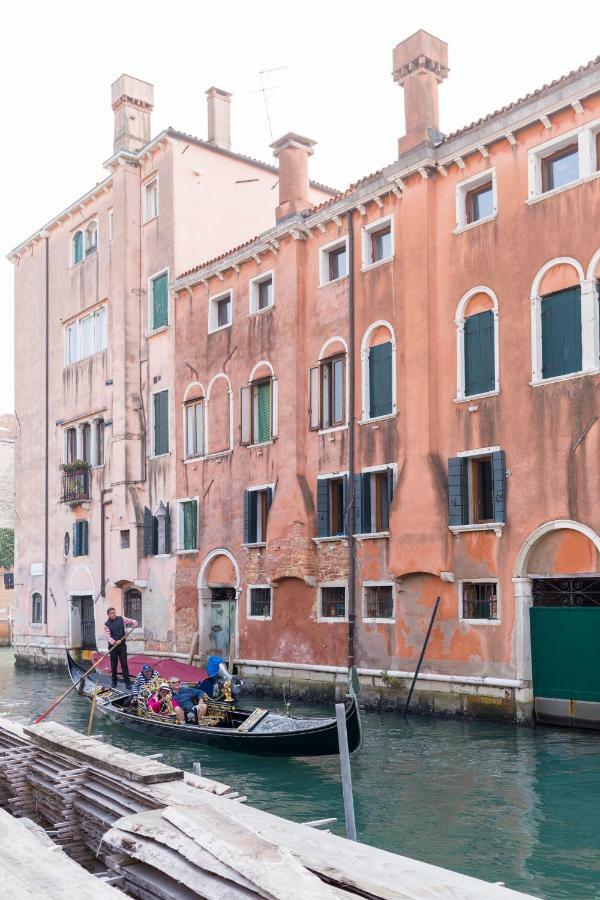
[76, 465]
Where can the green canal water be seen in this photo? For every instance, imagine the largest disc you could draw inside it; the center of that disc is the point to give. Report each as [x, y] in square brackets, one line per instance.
[509, 804]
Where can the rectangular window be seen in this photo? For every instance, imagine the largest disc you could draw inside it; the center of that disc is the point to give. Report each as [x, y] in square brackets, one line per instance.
[71, 445]
[86, 336]
[86, 443]
[71, 343]
[334, 261]
[9, 581]
[100, 329]
[132, 605]
[477, 489]
[480, 202]
[261, 412]
[373, 492]
[194, 429]
[380, 380]
[479, 350]
[111, 223]
[125, 540]
[332, 602]
[378, 242]
[378, 601]
[161, 423]
[560, 168]
[80, 538]
[160, 302]
[261, 292]
[99, 442]
[479, 600]
[476, 199]
[561, 333]
[331, 506]
[151, 200]
[260, 602]
[328, 393]
[220, 312]
[188, 525]
[257, 503]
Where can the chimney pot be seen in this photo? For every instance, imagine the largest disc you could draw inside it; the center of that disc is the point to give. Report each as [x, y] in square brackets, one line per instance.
[292, 150]
[132, 103]
[420, 64]
[219, 118]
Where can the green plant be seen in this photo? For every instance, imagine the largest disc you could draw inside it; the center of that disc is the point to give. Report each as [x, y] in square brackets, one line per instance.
[390, 680]
[75, 466]
[7, 548]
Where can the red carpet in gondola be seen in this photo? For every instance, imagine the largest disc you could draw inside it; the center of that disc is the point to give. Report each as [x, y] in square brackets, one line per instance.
[168, 668]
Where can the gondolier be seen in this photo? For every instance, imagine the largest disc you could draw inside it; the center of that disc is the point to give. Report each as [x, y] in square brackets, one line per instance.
[114, 630]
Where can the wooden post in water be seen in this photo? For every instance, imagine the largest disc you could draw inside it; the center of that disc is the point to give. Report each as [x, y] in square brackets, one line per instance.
[424, 648]
[340, 714]
[92, 710]
[195, 640]
[197, 768]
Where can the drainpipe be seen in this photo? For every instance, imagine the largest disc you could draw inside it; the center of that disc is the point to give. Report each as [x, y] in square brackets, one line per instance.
[46, 425]
[351, 424]
[103, 504]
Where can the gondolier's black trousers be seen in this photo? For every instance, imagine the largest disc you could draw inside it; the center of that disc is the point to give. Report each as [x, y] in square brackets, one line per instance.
[116, 654]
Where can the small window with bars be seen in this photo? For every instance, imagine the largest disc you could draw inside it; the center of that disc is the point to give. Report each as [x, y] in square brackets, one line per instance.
[259, 602]
[379, 602]
[332, 602]
[480, 600]
[132, 605]
[9, 581]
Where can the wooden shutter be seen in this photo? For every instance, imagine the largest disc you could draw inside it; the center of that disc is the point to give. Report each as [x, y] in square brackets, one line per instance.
[160, 302]
[499, 485]
[246, 517]
[269, 500]
[161, 423]
[274, 407]
[458, 492]
[366, 503]
[83, 542]
[263, 404]
[167, 530]
[246, 418]
[76, 551]
[322, 507]
[148, 532]
[480, 369]
[314, 413]
[561, 333]
[347, 525]
[252, 516]
[380, 380]
[358, 497]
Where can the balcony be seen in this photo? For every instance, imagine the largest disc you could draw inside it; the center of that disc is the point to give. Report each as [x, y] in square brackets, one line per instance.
[75, 484]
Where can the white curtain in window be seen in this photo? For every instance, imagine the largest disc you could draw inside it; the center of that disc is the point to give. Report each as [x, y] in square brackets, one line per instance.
[100, 328]
[71, 344]
[86, 338]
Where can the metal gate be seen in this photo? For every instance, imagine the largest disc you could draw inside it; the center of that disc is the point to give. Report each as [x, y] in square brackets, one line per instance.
[565, 650]
[222, 621]
[88, 624]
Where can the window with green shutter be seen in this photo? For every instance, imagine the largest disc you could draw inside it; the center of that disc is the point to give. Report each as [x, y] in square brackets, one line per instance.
[160, 302]
[480, 368]
[161, 423]
[188, 524]
[373, 492]
[380, 380]
[261, 402]
[77, 247]
[561, 333]
[257, 504]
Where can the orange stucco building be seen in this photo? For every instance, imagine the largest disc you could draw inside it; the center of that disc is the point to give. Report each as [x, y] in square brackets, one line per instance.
[393, 396]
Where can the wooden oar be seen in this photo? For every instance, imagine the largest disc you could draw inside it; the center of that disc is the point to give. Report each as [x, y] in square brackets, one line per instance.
[92, 710]
[85, 674]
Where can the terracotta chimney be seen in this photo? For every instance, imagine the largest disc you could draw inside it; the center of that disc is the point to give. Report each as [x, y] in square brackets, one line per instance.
[293, 151]
[219, 122]
[420, 64]
[132, 103]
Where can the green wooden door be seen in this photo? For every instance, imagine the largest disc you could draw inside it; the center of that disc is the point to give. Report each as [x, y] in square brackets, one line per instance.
[222, 621]
[565, 644]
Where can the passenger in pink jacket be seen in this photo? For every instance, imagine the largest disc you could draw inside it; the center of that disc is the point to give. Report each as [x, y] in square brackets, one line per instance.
[162, 702]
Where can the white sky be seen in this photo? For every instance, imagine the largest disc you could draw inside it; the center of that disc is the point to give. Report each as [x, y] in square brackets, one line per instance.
[59, 58]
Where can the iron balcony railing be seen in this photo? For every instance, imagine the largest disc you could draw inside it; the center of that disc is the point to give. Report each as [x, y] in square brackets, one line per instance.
[76, 486]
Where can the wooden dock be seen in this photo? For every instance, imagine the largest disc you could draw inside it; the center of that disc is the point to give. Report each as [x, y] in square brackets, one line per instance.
[149, 830]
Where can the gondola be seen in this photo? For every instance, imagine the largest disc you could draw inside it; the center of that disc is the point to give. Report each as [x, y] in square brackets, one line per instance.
[252, 731]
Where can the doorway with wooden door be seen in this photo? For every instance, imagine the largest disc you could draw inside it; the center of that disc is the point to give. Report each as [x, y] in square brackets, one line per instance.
[223, 622]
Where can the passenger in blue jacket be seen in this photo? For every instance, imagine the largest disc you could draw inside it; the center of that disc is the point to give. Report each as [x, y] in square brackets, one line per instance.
[189, 698]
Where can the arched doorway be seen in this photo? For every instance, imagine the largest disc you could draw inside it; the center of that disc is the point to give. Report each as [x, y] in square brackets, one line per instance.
[218, 591]
[558, 578]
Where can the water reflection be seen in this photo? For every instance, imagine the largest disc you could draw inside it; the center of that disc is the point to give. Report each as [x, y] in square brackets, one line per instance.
[505, 804]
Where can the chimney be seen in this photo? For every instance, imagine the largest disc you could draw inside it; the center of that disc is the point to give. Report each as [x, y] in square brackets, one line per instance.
[420, 64]
[219, 122]
[293, 151]
[132, 103]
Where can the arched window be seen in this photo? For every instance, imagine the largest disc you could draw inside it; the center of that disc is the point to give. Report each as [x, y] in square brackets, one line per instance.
[77, 247]
[378, 358]
[193, 421]
[218, 436]
[327, 386]
[91, 238]
[562, 300]
[132, 605]
[477, 344]
[259, 399]
[37, 609]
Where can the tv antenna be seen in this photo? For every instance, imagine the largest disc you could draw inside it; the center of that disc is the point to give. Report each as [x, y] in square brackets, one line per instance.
[263, 90]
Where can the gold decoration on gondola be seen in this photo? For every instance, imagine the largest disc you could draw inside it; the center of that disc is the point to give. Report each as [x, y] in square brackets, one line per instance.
[146, 691]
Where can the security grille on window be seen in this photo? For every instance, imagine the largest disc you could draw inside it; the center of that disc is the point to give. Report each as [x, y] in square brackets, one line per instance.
[161, 423]
[259, 411]
[157, 531]
[261, 293]
[188, 525]
[37, 609]
[373, 492]
[331, 506]
[132, 605]
[80, 538]
[479, 600]
[257, 504]
[151, 200]
[125, 540]
[159, 311]
[194, 428]
[379, 601]
[477, 489]
[327, 393]
[9, 581]
[561, 333]
[260, 602]
[333, 602]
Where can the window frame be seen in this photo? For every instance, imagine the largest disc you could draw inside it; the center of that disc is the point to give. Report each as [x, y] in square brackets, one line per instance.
[33, 621]
[78, 231]
[258, 489]
[213, 328]
[324, 253]
[152, 329]
[89, 251]
[464, 189]
[249, 590]
[181, 550]
[492, 525]
[374, 471]
[194, 402]
[459, 320]
[367, 233]
[379, 620]
[331, 584]
[328, 362]
[585, 137]
[329, 477]
[94, 314]
[254, 292]
[460, 595]
[365, 350]
[151, 180]
[153, 454]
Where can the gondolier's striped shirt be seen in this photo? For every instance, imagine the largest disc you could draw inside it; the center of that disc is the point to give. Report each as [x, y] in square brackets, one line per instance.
[126, 621]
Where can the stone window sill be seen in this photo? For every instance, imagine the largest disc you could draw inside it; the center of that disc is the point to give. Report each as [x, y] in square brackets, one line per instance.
[497, 527]
[371, 535]
[469, 225]
[257, 545]
[162, 330]
[538, 382]
[331, 538]
[471, 397]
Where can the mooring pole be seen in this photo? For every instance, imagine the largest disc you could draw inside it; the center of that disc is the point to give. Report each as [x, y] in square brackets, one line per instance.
[340, 714]
[424, 648]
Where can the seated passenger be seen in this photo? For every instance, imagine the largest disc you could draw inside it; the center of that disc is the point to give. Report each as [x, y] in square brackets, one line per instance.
[189, 698]
[145, 675]
[162, 703]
